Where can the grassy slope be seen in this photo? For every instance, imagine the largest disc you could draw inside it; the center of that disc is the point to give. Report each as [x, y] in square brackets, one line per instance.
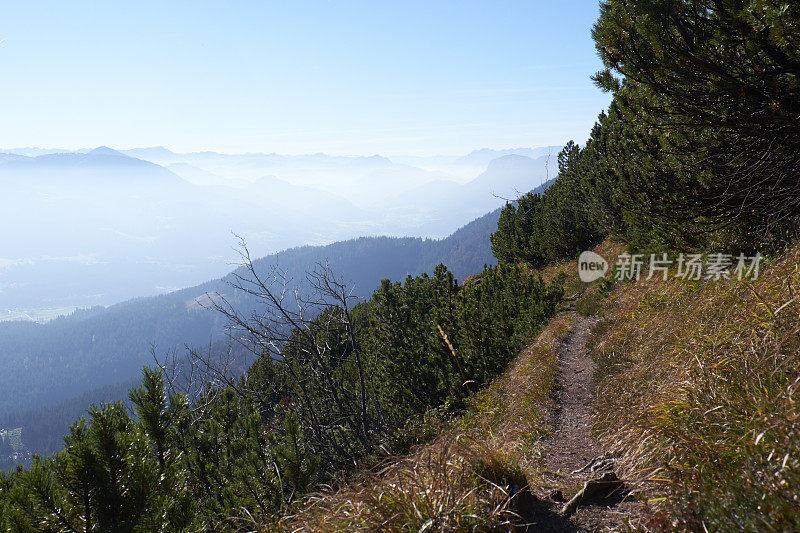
[698, 392]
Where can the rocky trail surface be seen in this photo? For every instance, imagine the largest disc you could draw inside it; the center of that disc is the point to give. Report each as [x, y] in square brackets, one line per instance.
[579, 489]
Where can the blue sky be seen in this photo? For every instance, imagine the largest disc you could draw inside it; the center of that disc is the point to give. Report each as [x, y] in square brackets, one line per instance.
[348, 78]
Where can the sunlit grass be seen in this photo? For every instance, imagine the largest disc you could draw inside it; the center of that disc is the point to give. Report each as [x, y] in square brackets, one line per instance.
[699, 390]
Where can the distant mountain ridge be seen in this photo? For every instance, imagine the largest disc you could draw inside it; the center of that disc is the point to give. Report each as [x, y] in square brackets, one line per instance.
[99, 165]
[101, 226]
[500, 182]
[486, 155]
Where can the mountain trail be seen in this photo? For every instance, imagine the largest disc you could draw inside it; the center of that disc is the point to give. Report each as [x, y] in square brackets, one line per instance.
[573, 466]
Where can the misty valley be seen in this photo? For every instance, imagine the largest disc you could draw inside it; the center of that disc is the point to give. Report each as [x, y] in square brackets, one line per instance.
[97, 227]
[128, 227]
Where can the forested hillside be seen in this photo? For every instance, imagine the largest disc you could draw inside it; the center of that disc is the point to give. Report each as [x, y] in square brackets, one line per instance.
[42, 430]
[696, 378]
[56, 370]
[331, 392]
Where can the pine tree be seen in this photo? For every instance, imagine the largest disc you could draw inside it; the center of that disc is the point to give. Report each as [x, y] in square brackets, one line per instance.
[712, 88]
[296, 461]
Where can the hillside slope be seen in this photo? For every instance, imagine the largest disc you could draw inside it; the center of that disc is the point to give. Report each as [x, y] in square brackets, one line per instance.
[699, 395]
[691, 399]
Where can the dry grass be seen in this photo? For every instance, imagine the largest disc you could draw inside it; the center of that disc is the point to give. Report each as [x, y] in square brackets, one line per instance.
[467, 480]
[435, 489]
[699, 390]
[590, 303]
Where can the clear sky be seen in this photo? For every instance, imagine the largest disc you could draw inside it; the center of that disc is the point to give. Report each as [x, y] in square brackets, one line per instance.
[401, 77]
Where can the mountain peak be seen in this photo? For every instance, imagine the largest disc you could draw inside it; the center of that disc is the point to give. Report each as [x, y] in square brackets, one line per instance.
[485, 155]
[105, 150]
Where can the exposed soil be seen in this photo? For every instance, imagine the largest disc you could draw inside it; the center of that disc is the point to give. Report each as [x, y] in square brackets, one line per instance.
[570, 455]
[569, 446]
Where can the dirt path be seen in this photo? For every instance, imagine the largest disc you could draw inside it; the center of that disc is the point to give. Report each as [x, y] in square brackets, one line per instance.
[569, 446]
[570, 455]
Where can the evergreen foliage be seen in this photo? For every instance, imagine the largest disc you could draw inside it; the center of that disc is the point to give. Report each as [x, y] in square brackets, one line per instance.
[714, 85]
[540, 228]
[700, 147]
[241, 453]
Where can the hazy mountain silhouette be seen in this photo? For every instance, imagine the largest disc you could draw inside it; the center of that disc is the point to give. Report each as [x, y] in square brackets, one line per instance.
[99, 226]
